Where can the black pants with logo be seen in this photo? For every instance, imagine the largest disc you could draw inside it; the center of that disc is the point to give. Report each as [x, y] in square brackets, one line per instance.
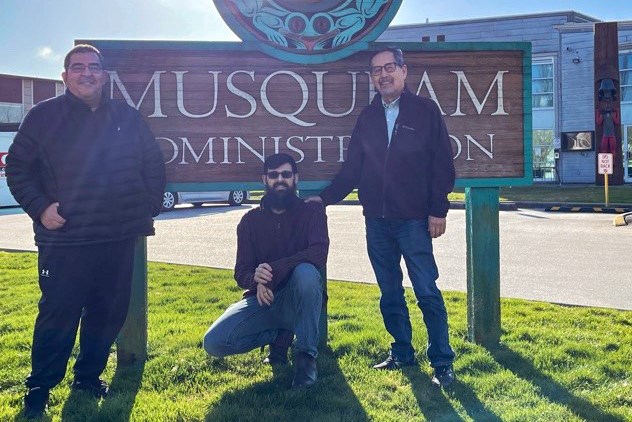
[87, 283]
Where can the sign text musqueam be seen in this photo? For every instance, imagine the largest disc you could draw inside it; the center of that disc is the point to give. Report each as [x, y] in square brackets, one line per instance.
[218, 109]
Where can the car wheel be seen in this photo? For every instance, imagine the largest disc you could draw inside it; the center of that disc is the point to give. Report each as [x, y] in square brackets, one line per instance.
[236, 197]
[169, 200]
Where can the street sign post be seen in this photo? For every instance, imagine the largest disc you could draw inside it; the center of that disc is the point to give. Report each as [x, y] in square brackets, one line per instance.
[605, 166]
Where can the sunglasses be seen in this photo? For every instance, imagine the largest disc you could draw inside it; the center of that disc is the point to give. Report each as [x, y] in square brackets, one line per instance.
[284, 174]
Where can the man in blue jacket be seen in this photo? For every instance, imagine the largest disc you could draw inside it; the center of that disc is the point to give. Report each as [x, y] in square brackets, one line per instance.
[89, 173]
[400, 159]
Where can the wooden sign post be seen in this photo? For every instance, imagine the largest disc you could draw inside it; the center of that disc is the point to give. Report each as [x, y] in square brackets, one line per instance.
[218, 109]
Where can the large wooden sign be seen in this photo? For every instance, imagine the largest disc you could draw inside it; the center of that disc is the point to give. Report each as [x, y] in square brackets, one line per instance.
[218, 109]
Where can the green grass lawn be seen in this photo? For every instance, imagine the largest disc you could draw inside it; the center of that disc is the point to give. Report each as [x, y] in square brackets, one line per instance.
[555, 363]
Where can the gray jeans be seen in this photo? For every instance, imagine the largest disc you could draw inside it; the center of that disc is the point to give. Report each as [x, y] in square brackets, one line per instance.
[246, 325]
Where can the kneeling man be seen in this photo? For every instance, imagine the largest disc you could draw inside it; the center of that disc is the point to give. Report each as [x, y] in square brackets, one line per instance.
[282, 249]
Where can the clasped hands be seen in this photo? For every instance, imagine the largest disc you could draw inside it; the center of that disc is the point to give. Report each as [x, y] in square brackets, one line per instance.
[263, 275]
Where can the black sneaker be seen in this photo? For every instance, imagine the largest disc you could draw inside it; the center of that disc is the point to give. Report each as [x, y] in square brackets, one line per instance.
[306, 371]
[391, 364]
[277, 354]
[97, 387]
[443, 376]
[35, 402]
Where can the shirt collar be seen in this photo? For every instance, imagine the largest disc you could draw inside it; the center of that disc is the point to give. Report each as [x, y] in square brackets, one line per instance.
[394, 104]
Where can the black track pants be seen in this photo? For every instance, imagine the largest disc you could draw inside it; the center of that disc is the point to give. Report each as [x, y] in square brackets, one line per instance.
[87, 283]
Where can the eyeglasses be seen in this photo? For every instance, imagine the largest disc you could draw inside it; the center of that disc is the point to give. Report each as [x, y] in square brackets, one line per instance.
[284, 174]
[389, 67]
[80, 68]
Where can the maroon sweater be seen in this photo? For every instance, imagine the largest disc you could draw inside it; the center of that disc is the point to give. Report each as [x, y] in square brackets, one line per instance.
[281, 240]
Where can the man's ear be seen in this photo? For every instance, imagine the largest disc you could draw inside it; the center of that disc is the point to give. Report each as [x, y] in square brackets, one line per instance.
[295, 178]
[64, 75]
[263, 179]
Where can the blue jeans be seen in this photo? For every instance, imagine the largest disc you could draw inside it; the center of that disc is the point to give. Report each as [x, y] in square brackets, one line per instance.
[387, 241]
[247, 325]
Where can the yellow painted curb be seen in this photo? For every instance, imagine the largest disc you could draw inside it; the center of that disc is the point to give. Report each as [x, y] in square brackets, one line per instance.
[619, 220]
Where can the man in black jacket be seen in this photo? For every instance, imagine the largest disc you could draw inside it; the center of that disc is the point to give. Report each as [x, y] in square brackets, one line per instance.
[281, 253]
[89, 173]
[400, 159]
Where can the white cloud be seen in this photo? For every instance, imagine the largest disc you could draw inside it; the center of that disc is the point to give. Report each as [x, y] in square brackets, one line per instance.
[48, 54]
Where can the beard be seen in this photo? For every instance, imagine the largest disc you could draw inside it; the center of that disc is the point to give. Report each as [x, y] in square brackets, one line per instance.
[280, 199]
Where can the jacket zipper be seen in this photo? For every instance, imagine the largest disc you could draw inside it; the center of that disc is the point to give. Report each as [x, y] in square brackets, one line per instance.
[388, 150]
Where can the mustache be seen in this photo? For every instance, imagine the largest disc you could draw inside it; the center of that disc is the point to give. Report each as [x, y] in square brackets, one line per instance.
[386, 79]
[281, 184]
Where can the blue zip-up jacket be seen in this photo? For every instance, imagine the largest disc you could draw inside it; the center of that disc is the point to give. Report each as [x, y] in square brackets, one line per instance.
[412, 177]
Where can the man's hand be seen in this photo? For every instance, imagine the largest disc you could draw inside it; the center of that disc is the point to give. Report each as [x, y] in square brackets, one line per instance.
[436, 226]
[51, 219]
[265, 297]
[314, 199]
[263, 273]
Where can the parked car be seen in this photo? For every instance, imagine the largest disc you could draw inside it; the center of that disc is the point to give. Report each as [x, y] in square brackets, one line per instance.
[233, 198]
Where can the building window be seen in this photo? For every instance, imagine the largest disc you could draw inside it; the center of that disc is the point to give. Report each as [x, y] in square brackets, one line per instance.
[542, 83]
[543, 155]
[11, 113]
[543, 96]
[625, 69]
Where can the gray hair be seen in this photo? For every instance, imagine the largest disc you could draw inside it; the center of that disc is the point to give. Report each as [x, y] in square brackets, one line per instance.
[397, 54]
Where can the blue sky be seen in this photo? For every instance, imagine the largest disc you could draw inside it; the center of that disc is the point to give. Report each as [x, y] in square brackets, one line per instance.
[35, 34]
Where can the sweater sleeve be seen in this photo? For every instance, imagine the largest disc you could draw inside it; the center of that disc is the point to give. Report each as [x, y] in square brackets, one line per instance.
[315, 253]
[153, 168]
[246, 263]
[348, 177]
[22, 171]
[442, 172]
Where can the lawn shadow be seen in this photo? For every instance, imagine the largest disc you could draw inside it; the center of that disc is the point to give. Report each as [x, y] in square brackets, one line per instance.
[548, 387]
[123, 390]
[435, 406]
[330, 399]
[78, 405]
[118, 405]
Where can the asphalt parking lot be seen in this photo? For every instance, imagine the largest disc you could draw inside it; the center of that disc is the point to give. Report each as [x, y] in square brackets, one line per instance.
[570, 258]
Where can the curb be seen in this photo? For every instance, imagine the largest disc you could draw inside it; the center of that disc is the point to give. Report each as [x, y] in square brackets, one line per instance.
[604, 210]
[515, 206]
[502, 206]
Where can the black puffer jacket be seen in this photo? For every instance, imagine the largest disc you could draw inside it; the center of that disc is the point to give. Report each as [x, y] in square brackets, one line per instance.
[104, 168]
[412, 177]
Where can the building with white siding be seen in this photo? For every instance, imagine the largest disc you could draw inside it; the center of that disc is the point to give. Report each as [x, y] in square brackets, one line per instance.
[562, 81]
